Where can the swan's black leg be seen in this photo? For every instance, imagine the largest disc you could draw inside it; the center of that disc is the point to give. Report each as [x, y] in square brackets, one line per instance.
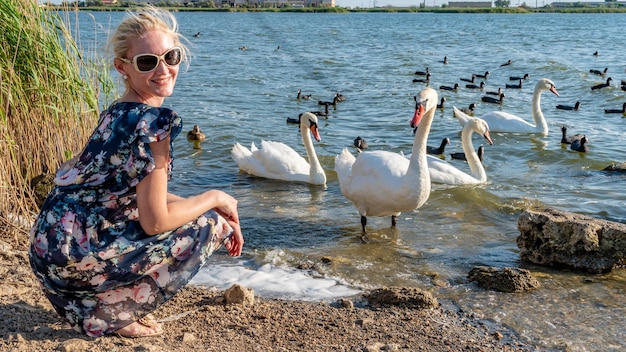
[394, 220]
[364, 234]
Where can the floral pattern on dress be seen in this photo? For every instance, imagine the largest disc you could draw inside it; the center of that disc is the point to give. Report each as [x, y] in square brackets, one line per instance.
[96, 265]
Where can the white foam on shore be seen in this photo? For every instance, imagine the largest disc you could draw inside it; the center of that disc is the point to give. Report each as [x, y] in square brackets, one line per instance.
[271, 281]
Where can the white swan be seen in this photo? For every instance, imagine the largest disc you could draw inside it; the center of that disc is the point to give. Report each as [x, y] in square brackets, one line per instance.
[444, 172]
[382, 183]
[499, 121]
[278, 161]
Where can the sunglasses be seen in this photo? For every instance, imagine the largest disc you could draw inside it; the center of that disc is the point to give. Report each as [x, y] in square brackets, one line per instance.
[145, 63]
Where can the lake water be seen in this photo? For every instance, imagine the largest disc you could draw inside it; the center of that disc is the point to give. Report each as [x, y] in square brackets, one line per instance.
[246, 95]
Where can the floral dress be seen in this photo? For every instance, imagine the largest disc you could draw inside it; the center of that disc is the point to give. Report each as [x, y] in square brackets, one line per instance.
[97, 266]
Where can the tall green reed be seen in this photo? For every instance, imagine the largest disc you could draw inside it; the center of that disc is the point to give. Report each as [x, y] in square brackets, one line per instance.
[48, 103]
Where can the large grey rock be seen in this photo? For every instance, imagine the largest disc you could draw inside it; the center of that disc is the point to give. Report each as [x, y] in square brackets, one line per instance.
[503, 279]
[557, 238]
[410, 297]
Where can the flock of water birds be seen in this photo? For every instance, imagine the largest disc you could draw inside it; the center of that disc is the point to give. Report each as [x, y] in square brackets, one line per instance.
[382, 183]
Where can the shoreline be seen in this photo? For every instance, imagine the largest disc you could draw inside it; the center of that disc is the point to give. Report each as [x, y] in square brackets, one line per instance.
[339, 10]
[198, 318]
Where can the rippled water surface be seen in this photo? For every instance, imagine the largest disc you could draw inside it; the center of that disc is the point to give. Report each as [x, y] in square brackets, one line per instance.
[245, 96]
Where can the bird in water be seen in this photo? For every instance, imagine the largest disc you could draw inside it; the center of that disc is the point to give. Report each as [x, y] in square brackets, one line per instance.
[195, 134]
[569, 107]
[423, 80]
[616, 111]
[478, 75]
[453, 88]
[603, 85]
[461, 155]
[469, 110]
[383, 183]
[515, 86]
[470, 80]
[498, 92]
[507, 63]
[598, 72]
[197, 35]
[360, 144]
[517, 78]
[565, 139]
[302, 96]
[442, 103]
[579, 145]
[333, 103]
[501, 121]
[324, 113]
[445, 60]
[278, 161]
[475, 86]
[440, 149]
[423, 73]
[492, 100]
[619, 167]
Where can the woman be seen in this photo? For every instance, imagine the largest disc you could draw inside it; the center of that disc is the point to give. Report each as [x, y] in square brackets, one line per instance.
[111, 244]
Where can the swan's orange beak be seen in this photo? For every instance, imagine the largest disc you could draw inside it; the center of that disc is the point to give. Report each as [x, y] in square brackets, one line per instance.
[419, 113]
[553, 90]
[315, 132]
[488, 138]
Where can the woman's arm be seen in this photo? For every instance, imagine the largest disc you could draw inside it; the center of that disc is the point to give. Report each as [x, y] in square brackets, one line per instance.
[160, 211]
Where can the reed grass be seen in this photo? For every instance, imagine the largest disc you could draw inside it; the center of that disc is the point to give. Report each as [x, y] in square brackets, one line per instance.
[48, 104]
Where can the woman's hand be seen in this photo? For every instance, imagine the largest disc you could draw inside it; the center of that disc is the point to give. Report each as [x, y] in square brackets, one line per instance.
[234, 244]
[228, 210]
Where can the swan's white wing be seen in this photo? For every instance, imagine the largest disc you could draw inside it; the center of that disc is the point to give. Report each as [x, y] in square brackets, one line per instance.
[375, 184]
[343, 165]
[500, 121]
[380, 164]
[444, 172]
[246, 161]
[274, 160]
[281, 160]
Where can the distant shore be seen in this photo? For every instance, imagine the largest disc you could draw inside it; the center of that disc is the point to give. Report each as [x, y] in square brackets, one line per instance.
[336, 9]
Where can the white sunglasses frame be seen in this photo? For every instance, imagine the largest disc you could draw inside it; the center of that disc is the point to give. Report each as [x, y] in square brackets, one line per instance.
[160, 58]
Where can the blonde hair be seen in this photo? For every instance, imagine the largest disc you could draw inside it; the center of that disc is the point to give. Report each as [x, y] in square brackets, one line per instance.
[135, 25]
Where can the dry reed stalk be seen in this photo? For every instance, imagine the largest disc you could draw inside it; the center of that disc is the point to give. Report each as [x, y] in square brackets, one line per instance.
[48, 104]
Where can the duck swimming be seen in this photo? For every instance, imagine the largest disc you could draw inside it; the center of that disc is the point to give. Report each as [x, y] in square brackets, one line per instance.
[569, 107]
[603, 85]
[616, 111]
[195, 134]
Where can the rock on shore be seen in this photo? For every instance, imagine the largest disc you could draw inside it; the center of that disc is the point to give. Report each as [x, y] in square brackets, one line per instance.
[557, 238]
[201, 319]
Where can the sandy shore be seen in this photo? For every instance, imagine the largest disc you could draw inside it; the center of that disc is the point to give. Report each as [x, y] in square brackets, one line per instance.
[198, 319]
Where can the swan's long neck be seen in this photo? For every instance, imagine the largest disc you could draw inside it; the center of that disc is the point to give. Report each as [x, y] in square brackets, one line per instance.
[476, 167]
[418, 164]
[540, 121]
[316, 172]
